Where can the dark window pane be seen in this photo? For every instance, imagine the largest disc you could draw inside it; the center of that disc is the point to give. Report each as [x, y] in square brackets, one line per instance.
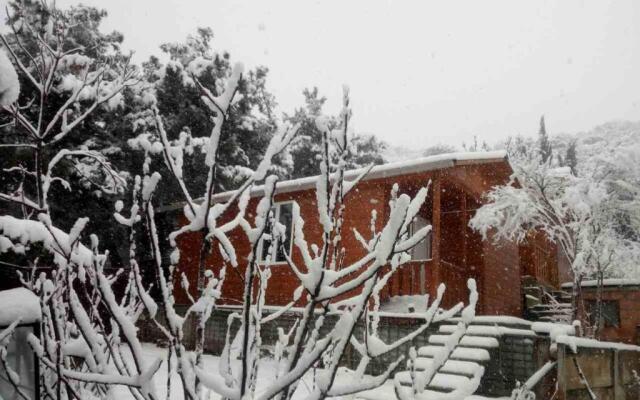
[609, 313]
[265, 249]
[421, 251]
[286, 219]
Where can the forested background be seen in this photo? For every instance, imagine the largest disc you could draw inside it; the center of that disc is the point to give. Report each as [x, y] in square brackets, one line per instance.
[124, 125]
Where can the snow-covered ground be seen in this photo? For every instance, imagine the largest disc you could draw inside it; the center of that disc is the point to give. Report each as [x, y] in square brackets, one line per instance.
[266, 374]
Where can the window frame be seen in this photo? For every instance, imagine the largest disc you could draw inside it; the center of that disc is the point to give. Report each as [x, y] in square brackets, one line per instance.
[604, 322]
[428, 238]
[277, 205]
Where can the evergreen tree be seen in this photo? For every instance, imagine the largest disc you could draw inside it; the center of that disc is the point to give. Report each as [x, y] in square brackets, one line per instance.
[306, 148]
[545, 148]
[250, 122]
[570, 158]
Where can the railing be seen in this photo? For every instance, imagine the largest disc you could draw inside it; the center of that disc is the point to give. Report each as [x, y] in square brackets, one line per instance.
[414, 277]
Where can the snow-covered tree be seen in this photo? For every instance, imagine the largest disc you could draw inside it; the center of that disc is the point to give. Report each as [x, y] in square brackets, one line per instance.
[329, 288]
[101, 131]
[62, 87]
[581, 212]
[248, 127]
[475, 146]
[438, 149]
[88, 342]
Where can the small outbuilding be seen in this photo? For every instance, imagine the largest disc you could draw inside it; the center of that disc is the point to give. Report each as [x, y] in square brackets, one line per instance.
[620, 314]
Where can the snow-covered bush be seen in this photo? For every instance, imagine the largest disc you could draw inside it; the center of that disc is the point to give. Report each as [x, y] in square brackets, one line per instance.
[326, 285]
[89, 341]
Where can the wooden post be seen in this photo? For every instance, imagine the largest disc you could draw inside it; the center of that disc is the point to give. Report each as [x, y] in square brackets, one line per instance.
[435, 224]
[423, 279]
[36, 364]
[463, 216]
[562, 383]
[618, 388]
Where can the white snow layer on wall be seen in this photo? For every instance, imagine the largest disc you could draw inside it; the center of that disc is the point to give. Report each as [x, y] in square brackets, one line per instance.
[19, 303]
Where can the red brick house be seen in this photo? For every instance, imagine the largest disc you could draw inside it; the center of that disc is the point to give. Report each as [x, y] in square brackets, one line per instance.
[452, 254]
[620, 312]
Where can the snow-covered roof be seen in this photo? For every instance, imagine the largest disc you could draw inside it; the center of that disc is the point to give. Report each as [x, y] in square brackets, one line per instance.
[417, 165]
[606, 282]
[431, 163]
[19, 303]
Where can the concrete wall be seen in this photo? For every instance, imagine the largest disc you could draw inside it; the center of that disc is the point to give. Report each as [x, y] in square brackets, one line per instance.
[609, 373]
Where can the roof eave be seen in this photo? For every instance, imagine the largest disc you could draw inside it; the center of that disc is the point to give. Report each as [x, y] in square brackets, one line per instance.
[377, 172]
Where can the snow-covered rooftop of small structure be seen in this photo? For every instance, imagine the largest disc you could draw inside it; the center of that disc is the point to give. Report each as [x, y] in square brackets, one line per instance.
[439, 161]
[19, 303]
[606, 282]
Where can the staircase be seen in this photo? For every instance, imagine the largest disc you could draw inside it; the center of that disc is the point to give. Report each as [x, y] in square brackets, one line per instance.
[548, 305]
[468, 359]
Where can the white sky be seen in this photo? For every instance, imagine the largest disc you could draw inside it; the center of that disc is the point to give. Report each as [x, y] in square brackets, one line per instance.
[422, 72]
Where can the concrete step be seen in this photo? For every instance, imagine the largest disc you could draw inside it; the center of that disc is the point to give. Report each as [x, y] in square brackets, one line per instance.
[482, 342]
[458, 354]
[441, 382]
[551, 312]
[427, 394]
[475, 330]
[555, 318]
[548, 306]
[464, 368]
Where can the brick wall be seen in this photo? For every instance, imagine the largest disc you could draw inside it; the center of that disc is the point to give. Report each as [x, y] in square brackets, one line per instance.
[501, 288]
[628, 298]
[362, 201]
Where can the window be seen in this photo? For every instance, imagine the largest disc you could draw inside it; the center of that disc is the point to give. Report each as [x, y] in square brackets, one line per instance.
[421, 251]
[281, 212]
[609, 314]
